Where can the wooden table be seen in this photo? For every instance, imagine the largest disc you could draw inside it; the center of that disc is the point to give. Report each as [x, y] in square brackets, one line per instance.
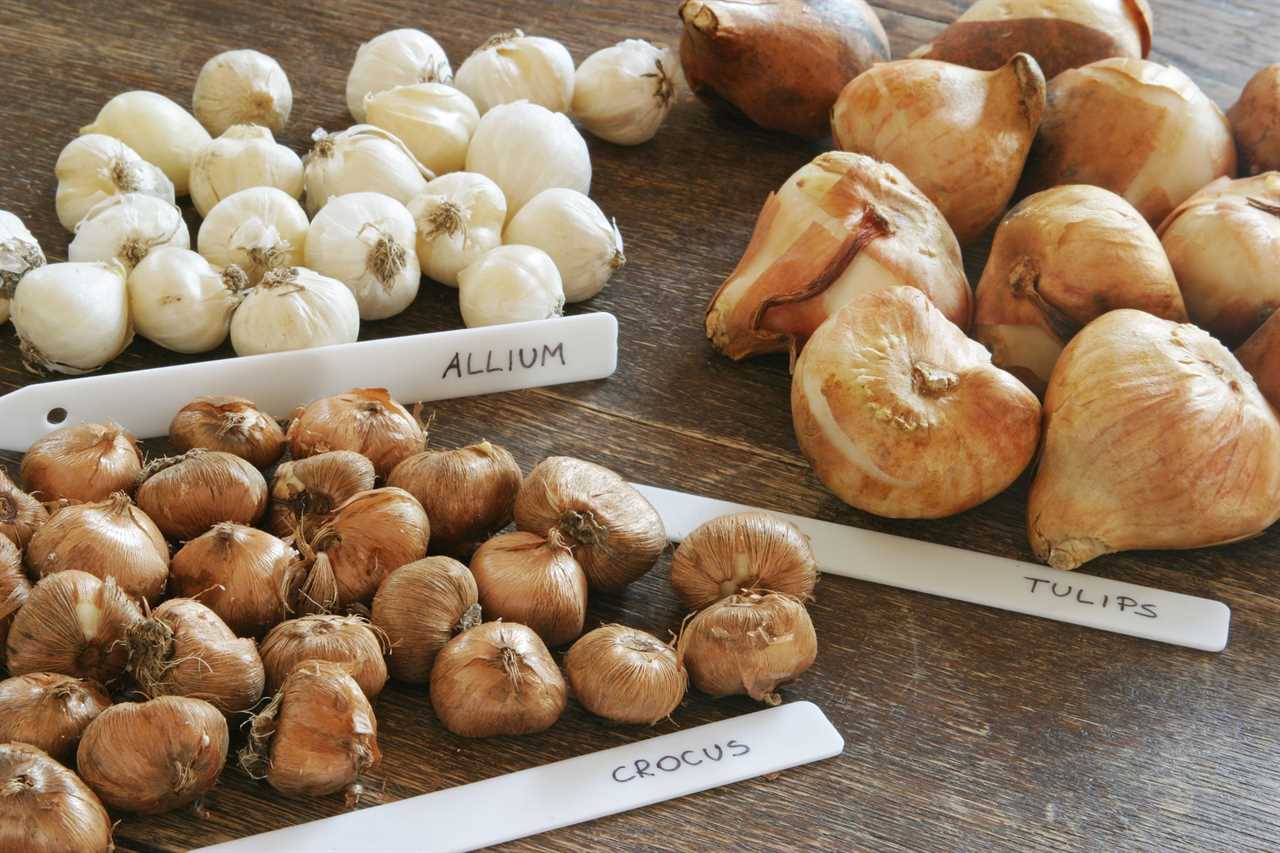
[966, 728]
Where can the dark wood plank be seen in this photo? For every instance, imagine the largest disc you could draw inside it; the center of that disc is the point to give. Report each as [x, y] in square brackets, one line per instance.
[966, 728]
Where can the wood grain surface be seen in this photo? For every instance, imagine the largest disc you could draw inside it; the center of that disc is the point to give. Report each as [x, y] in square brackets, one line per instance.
[966, 728]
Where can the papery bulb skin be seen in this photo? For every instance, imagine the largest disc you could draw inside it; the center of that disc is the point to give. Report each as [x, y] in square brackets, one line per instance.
[903, 416]
[1137, 128]
[747, 55]
[395, 58]
[1224, 245]
[159, 130]
[959, 134]
[844, 225]
[1061, 258]
[1155, 438]
[1255, 120]
[1060, 34]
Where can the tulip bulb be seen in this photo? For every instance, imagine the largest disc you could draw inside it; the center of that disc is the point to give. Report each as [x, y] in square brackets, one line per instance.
[844, 225]
[903, 416]
[242, 87]
[1224, 245]
[1061, 258]
[459, 218]
[94, 167]
[623, 93]
[1155, 437]
[400, 57]
[1137, 128]
[782, 63]
[1060, 34]
[1255, 120]
[244, 156]
[1260, 355]
[514, 67]
[960, 135]
[160, 131]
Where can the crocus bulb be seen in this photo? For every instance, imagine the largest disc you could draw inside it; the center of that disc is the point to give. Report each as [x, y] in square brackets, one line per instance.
[623, 93]
[903, 416]
[514, 67]
[362, 158]
[258, 229]
[19, 254]
[525, 148]
[395, 58]
[179, 300]
[1154, 437]
[510, 284]
[459, 218]
[242, 87]
[585, 245]
[367, 242]
[294, 308]
[125, 228]
[160, 131]
[1137, 128]
[1224, 244]
[1060, 34]
[843, 225]
[95, 166]
[72, 317]
[244, 156]
[960, 135]
[434, 121]
[1060, 259]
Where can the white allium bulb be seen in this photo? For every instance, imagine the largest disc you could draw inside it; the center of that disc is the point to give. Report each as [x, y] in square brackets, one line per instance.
[396, 58]
[623, 93]
[515, 67]
[434, 121]
[366, 241]
[19, 254]
[362, 158]
[572, 229]
[244, 156]
[126, 227]
[525, 149]
[510, 284]
[95, 166]
[242, 87]
[179, 300]
[72, 317]
[294, 308]
[257, 229]
[459, 218]
[158, 129]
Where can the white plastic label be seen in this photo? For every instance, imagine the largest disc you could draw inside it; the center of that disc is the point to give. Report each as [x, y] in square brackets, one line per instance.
[567, 792]
[1014, 585]
[414, 368]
